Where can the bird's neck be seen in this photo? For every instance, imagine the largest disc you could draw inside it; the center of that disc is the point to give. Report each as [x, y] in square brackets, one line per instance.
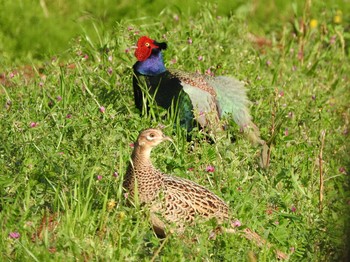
[152, 66]
[143, 175]
[141, 160]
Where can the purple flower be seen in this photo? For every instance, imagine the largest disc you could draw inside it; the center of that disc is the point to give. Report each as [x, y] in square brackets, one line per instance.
[189, 40]
[109, 70]
[277, 222]
[99, 177]
[130, 28]
[342, 170]
[332, 41]
[12, 75]
[300, 55]
[33, 124]
[127, 50]
[126, 194]
[173, 61]
[294, 68]
[102, 109]
[268, 62]
[208, 72]
[190, 169]
[176, 18]
[68, 116]
[14, 235]
[345, 131]
[200, 58]
[269, 211]
[281, 93]
[293, 209]
[236, 223]
[210, 169]
[115, 174]
[286, 132]
[86, 57]
[313, 97]
[59, 98]
[41, 84]
[132, 145]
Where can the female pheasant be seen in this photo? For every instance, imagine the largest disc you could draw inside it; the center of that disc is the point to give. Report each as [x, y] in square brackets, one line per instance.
[201, 98]
[172, 200]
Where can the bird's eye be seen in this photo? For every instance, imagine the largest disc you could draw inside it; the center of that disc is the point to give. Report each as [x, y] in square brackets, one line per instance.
[147, 44]
[150, 137]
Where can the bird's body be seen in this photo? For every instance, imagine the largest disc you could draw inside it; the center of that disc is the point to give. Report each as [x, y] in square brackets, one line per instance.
[204, 99]
[170, 199]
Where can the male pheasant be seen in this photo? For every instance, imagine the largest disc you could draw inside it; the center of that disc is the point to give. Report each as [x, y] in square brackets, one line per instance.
[201, 98]
[173, 200]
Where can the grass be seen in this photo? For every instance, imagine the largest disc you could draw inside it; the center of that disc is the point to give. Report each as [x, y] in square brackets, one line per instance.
[66, 129]
[35, 31]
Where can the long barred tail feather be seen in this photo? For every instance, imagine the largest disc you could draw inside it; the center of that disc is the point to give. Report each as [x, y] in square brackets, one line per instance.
[258, 240]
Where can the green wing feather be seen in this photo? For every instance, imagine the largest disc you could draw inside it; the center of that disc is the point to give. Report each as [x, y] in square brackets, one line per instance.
[185, 111]
[233, 102]
[231, 99]
[216, 97]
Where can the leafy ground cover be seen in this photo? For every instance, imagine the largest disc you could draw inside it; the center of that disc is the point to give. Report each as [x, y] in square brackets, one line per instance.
[68, 124]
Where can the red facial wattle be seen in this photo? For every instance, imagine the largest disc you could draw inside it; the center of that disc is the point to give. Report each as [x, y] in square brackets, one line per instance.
[144, 48]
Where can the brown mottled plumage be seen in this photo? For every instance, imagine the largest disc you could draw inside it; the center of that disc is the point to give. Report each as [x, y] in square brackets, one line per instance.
[172, 200]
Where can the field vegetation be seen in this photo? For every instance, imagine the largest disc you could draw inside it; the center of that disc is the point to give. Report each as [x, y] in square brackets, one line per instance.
[68, 122]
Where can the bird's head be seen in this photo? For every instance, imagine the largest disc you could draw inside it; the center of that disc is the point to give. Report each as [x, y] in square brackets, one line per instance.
[150, 138]
[145, 47]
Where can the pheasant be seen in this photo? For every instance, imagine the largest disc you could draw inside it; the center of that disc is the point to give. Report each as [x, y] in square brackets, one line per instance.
[173, 200]
[201, 98]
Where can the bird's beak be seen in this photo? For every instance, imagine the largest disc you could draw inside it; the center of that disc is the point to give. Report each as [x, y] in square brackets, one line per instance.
[166, 138]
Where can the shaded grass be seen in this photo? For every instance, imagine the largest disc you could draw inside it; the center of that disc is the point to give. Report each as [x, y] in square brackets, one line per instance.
[50, 169]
